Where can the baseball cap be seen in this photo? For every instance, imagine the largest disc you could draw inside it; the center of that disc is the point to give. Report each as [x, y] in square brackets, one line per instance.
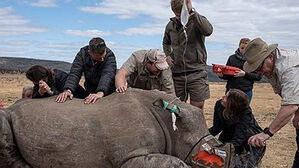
[159, 58]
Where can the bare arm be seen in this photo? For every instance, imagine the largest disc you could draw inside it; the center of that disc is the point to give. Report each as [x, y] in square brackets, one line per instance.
[121, 80]
[283, 117]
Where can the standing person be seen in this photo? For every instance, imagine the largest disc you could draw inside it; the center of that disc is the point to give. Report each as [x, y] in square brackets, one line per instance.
[146, 69]
[241, 80]
[234, 119]
[281, 67]
[188, 56]
[98, 64]
[48, 82]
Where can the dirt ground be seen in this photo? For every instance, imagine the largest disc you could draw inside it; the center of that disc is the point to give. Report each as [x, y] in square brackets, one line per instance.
[265, 104]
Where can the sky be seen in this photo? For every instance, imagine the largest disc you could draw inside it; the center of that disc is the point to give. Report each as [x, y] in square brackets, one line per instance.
[57, 29]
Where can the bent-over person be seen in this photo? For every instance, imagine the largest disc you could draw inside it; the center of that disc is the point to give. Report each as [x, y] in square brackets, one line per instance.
[281, 67]
[146, 69]
[97, 62]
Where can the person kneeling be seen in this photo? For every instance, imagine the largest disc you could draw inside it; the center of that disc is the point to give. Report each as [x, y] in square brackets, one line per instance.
[49, 82]
[234, 119]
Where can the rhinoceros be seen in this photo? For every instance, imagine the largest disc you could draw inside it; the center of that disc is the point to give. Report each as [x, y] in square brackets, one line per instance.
[122, 130]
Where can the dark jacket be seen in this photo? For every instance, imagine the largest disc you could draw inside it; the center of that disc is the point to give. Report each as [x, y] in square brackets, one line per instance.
[237, 130]
[198, 27]
[243, 83]
[57, 86]
[99, 76]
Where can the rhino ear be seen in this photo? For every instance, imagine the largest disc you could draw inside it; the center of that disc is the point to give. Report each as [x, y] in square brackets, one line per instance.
[158, 103]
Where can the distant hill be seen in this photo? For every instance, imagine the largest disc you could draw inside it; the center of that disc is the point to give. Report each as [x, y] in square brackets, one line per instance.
[21, 65]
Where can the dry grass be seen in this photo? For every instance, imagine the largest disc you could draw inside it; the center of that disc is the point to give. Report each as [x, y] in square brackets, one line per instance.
[265, 105]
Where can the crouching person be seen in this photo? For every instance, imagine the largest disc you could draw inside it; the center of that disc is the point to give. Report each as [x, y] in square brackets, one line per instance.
[234, 119]
[48, 82]
[97, 62]
[146, 69]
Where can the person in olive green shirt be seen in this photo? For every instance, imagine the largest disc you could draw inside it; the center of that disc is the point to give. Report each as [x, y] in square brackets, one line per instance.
[146, 69]
[188, 56]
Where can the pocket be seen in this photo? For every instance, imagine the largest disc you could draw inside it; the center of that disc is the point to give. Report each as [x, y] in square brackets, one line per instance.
[201, 57]
[174, 38]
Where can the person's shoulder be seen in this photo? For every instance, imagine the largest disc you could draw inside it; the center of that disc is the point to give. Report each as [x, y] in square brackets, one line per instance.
[58, 71]
[171, 22]
[233, 56]
[246, 114]
[109, 52]
[139, 55]
[85, 48]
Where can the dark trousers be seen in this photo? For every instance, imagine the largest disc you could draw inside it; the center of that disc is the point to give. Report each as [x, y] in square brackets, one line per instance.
[296, 159]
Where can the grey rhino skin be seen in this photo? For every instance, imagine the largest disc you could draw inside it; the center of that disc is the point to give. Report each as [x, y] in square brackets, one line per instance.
[118, 131]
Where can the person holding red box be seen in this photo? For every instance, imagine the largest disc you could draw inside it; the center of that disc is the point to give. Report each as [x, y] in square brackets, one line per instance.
[240, 80]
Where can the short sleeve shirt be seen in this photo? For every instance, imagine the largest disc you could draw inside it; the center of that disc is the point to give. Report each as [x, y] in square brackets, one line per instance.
[285, 79]
[140, 77]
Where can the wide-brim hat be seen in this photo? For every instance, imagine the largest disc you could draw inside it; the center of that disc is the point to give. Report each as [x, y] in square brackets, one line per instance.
[159, 58]
[255, 53]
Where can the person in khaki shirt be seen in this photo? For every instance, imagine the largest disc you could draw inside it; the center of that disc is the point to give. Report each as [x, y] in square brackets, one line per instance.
[146, 69]
[281, 67]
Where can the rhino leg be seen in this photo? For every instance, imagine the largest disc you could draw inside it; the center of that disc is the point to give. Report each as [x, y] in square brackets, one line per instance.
[154, 161]
[9, 154]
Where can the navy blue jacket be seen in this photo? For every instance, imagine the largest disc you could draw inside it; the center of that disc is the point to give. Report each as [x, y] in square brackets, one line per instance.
[243, 83]
[99, 76]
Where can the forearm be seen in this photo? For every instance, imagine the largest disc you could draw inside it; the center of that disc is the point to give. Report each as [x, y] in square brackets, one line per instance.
[120, 78]
[204, 25]
[284, 115]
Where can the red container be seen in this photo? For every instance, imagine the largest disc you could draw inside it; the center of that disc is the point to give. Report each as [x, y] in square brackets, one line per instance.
[225, 70]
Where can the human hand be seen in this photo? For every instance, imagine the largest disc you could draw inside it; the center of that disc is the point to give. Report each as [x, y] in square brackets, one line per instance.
[219, 74]
[43, 87]
[121, 88]
[62, 97]
[258, 140]
[169, 61]
[92, 98]
[240, 73]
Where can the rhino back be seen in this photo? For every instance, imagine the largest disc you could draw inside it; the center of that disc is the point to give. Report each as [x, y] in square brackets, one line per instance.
[71, 134]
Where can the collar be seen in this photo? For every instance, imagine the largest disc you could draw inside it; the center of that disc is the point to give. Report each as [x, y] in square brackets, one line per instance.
[239, 55]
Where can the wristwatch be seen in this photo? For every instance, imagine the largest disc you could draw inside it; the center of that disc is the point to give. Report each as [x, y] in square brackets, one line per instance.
[191, 11]
[267, 131]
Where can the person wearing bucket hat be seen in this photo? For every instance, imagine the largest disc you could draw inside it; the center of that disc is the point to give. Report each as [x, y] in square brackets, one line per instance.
[184, 46]
[146, 69]
[281, 67]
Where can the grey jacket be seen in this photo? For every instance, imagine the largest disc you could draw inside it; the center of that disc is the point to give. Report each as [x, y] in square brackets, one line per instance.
[198, 27]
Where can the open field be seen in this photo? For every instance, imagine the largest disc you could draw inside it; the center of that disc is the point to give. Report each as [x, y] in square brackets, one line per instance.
[265, 105]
